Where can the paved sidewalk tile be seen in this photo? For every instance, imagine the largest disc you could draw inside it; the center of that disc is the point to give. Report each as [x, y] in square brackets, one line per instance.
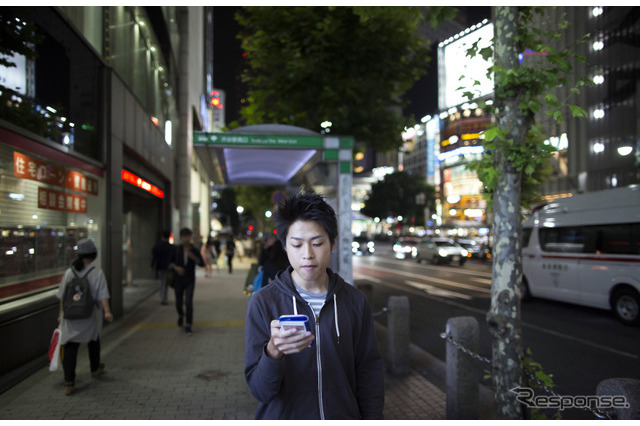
[155, 371]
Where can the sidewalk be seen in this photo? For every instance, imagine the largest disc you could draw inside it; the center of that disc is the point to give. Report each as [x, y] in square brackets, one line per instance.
[155, 371]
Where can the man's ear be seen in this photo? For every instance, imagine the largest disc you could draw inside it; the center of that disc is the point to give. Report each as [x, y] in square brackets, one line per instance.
[334, 244]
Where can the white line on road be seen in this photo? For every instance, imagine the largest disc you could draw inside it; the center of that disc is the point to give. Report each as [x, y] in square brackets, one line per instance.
[456, 270]
[481, 280]
[436, 291]
[432, 279]
[579, 340]
[357, 276]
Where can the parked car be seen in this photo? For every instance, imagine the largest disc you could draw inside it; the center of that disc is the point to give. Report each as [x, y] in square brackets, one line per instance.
[405, 248]
[441, 250]
[474, 248]
[362, 245]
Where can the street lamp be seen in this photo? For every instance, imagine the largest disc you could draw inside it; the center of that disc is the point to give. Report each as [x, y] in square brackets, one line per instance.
[268, 214]
[240, 209]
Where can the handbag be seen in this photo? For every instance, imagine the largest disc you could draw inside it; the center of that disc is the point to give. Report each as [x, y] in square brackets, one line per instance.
[54, 351]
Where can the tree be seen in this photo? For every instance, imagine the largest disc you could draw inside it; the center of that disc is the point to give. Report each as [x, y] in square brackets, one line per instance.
[18, 35]
[256, 200]
[514, 157]
[395, 195]
[346, 65]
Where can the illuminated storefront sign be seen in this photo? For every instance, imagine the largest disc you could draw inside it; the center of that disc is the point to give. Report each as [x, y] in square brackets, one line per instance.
[52, 199]
[456, 69]
[142, 184]
[26, 167]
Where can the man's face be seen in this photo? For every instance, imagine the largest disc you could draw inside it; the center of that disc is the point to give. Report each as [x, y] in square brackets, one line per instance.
[309, 250]
[185, 239]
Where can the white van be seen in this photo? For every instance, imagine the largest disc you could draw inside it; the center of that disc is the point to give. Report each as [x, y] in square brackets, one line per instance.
[585, 250]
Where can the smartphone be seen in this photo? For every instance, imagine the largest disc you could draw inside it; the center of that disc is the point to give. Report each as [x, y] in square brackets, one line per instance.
[300, 323]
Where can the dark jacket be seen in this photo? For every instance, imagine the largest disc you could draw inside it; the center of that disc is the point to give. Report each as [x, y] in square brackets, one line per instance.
[347, 383]
[161, 255]
[189, 276]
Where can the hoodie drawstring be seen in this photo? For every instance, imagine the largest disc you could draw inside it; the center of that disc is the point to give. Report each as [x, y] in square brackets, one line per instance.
[295, 306]
[335, 314]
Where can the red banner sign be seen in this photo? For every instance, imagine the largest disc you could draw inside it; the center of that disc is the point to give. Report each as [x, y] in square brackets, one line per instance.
[26, 167]
[127, 176]
[52, 199]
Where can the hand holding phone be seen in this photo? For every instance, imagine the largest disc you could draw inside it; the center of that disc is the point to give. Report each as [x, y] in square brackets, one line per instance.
[289, 335]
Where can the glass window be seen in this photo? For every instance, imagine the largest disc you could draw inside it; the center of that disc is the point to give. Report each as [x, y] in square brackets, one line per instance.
[635, 231]
[61, 98]
[566, 240]
[46, 208]
[133, 50]
[617, 239]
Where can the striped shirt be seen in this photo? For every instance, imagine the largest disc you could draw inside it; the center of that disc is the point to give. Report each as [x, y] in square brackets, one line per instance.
[316, 300]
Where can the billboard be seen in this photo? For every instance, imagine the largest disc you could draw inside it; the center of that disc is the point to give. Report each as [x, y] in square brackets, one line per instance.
[453, 64]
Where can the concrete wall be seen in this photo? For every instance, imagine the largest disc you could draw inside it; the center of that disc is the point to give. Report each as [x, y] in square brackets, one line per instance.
[135, 142]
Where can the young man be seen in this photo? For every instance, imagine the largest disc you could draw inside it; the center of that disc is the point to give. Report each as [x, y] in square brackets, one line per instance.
[186, 259]
[336, 370]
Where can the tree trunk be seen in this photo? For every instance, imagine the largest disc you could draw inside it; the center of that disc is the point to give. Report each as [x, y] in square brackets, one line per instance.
[503, 318]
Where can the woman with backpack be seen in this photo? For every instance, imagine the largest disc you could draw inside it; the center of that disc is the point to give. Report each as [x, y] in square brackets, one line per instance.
[84, 297]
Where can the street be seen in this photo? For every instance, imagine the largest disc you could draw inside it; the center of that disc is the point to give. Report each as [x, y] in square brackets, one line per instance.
[579, 346]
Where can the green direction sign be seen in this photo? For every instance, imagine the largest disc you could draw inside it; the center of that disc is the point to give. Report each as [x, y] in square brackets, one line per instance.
[265, 141]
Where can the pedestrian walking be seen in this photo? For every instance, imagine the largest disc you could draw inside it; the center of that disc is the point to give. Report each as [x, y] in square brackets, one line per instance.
[239, 248]
[78, 328]
[230, 250]
[334, 371]
[186, 259]
[161, 256]
[273, 259]
[210, 256]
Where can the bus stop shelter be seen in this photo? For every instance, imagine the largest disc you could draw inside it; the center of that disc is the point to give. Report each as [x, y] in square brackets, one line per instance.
[294, 157]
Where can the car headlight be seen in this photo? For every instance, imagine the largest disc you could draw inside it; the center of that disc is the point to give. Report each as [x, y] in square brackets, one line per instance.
[355, 245]
[464, 253]
[406, 249]
[370, 244]
[442, 253]
[396, 248]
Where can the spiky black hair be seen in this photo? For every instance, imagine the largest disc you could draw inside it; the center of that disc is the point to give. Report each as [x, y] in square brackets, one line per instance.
[307, 207]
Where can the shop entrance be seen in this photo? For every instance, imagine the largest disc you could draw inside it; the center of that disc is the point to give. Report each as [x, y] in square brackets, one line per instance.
[140, 229]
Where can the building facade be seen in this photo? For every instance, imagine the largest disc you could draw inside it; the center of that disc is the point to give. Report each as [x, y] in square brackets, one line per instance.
[602, 150]
[94, 142]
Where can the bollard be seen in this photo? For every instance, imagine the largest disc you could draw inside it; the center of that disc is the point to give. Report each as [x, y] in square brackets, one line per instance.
[622, 387]
[367, 289]
[398, 338]
[463, 372]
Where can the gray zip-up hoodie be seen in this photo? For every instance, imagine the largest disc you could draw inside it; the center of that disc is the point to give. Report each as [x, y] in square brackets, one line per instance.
[340, 377]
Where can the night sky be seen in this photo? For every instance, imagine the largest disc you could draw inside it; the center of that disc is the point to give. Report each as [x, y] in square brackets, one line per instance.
[228, 62]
